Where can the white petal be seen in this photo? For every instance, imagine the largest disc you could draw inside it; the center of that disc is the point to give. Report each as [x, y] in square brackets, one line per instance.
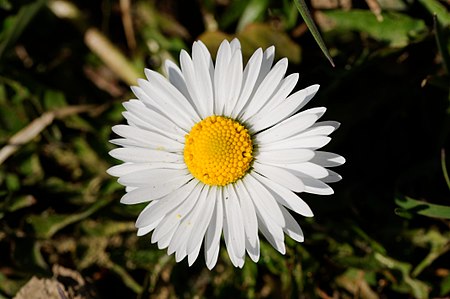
[220, 77]
[189, 73]
[297, 155]
[150, 119]
[324, 128]
[234, 216]
[126, 168]
[213, 258]
[165, 204]
[253, 251]
[164, 91]
[248, 212]
[250, 76]
[164, 241]
[272, 232]
[142, 155]
[234, 74]
[315, 186]
[285, 108]
[311, 169]
[202, 223]
[150, 177]
[266, 65]
[266, 89]
[207, 55]
[175, 218]
[182, 118]
[332, 177]
[214, 231]
[263, 200]
[145, 99]
[176, 77]
[311, 142]
[202, 62]
[123, 142]
[281, 176]
[327, 159]
[179, 255]
[230, 250]
[228, 233]
[146, 229]
[189, 224]
[163, 233]
[259, 120]
[235, 45]
[292, 229]
[286, 197]
[194, 254]
[153, 189]
[287, 128]
[149, 139]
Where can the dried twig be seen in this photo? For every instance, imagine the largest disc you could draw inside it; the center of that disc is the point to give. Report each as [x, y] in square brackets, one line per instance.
[125, 7]
[375, 8]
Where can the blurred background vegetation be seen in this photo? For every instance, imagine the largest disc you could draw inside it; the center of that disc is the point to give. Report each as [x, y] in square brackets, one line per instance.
[65, 68]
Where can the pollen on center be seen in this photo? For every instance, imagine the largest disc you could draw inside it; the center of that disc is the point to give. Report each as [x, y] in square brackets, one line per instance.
[218, 150]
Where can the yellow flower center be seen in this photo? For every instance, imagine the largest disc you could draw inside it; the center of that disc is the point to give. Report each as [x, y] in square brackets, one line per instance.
[218, 151]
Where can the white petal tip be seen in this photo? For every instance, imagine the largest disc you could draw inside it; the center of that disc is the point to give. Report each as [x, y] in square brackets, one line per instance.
[308, 214]
[111, 171]
[315, 87]
[126, 200]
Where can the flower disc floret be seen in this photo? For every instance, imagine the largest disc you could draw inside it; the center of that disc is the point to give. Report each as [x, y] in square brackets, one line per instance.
[218, 151]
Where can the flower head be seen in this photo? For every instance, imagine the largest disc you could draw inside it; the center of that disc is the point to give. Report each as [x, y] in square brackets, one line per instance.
[222, 149]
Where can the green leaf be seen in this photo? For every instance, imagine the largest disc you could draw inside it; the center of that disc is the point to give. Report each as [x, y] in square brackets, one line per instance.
[10, 286]
[374, 245]
[46, 225]
[418, 288]
[306, 15]
[20, 202]
[436, 8]
[54, 99]
[5, 4]
[445, 286]
[107, 228]
[423, 208]
[19, 23]
[439, 246]
[442, 41]
[398, 30]
[12, 182]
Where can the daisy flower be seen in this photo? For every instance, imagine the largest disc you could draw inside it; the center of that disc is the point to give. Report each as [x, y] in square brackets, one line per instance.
[222, 149]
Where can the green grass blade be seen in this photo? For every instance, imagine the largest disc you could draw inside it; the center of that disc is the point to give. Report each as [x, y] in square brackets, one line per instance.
[22, 19]
[436, 8]
[441, 41]
[444, 167]
[306, 15]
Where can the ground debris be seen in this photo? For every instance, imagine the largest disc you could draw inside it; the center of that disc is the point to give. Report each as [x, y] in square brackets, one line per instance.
[65, 284]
